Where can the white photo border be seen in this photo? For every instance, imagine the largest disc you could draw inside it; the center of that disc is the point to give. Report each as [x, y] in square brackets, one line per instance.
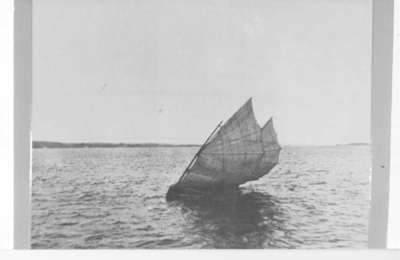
[382, 61]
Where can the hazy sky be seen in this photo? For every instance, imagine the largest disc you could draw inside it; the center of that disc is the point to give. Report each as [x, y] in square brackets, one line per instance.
[170, 70]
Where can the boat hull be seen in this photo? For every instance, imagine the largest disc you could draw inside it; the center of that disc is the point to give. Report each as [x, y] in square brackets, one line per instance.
[178, 191]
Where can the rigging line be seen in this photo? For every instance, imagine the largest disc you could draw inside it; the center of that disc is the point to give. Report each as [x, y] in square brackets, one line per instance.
[186, 172]
[231, 141]
[224, 153]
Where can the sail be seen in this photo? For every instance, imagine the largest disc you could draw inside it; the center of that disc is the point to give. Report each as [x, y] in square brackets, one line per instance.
[271, 150]
[240, 151]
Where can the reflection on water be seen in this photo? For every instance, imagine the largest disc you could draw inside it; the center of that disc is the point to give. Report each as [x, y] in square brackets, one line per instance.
[316, 197]
[237, 219]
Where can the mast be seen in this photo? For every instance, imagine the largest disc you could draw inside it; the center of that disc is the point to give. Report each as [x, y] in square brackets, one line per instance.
[186, 172]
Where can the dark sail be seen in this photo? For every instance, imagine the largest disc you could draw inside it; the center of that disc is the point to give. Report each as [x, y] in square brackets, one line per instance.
[238, 152]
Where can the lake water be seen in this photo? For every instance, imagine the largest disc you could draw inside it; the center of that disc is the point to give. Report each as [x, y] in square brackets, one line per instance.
[317, 197]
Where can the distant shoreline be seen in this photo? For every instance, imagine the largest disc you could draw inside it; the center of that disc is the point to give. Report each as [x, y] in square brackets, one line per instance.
[46, 144]
[357, 144]
[49, 145]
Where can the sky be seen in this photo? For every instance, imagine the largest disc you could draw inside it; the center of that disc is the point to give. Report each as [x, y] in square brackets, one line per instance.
[169, 71]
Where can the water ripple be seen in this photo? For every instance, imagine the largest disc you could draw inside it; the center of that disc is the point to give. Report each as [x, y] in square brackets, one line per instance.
[317, 197]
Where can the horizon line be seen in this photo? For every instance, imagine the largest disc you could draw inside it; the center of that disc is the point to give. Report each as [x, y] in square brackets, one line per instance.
[152, 143]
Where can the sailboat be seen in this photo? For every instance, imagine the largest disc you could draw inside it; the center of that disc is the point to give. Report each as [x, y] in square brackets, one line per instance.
[236, 152]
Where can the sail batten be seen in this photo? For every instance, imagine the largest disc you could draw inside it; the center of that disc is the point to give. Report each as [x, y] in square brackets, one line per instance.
[238, 152]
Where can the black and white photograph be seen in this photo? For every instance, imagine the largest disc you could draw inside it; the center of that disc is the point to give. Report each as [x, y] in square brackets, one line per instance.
[201, 124]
